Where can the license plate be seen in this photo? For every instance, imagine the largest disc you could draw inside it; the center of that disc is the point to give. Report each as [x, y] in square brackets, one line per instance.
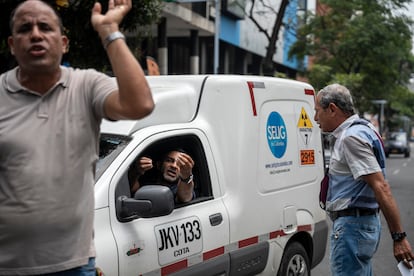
[178, 239]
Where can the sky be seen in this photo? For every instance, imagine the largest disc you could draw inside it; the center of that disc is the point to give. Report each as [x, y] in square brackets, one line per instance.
[410, 12]
[411, 8]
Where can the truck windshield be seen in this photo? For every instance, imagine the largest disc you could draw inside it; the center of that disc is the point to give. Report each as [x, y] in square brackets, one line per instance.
[110, 146]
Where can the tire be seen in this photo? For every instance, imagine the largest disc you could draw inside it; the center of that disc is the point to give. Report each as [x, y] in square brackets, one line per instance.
[295, 261]
[407, 154]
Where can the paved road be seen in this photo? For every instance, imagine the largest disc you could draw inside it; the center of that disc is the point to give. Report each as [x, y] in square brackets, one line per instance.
[400, 173]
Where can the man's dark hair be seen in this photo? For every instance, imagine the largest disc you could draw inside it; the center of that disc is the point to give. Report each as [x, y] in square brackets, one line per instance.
[174, 149]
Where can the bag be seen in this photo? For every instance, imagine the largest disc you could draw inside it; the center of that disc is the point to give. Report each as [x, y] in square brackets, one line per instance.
[324, 190]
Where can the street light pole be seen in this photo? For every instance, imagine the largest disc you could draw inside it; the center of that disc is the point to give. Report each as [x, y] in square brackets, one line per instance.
[381, 115]
[217, 37]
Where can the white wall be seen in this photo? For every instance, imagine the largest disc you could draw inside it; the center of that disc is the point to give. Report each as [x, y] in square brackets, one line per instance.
[254, 41]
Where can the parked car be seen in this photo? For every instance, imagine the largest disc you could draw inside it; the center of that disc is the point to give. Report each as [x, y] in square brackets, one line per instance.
[397, 142]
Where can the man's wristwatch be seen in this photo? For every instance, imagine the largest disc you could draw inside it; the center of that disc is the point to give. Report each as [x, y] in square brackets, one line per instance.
[398, 236]
[187, 180]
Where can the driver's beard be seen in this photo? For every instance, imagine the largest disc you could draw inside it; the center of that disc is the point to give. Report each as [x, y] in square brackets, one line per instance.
[169, 179]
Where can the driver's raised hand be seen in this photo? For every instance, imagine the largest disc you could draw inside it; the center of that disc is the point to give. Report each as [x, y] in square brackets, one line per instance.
[144, 164]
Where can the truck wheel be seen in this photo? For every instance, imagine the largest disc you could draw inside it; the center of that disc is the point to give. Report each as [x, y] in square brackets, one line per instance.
[295, 261]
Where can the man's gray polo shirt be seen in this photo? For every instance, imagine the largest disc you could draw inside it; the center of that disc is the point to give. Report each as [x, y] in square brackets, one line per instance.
[48, 150]
[352, 157]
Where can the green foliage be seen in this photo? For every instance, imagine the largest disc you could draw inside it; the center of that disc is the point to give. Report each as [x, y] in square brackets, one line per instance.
[320, 76]
[400, 110]
[85, 46]
[280, 75]
[401, 102]
[363, 44]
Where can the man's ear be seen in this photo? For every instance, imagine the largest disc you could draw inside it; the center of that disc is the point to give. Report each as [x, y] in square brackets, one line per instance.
[332, 107]
[65, 44]
[10, 41]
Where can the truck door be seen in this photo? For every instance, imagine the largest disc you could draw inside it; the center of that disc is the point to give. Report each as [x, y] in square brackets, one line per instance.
[193, 233]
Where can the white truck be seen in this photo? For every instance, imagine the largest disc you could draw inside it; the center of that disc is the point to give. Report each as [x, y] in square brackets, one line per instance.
[258, 166]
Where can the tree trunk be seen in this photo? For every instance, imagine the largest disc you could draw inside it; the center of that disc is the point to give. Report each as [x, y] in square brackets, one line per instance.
[268, 66]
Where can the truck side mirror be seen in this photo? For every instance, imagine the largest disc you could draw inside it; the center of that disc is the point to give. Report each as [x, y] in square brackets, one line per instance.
[149, 201]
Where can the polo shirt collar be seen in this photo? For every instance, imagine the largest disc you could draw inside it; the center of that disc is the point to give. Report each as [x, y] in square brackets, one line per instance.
[12, 85]
[345, 124]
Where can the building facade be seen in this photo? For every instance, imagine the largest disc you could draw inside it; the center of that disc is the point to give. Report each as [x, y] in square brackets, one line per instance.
[189, 39]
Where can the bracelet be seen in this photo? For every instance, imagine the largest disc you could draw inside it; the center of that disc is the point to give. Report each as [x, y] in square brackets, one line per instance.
[397, 236]
[111, 37]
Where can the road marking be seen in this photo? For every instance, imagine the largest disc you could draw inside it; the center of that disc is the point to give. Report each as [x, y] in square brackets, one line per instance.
[396, 171]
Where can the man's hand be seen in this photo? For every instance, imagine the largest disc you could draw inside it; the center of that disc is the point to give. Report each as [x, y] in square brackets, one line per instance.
[186, 164]
[108, 23]
[402, 252]
[144, 164]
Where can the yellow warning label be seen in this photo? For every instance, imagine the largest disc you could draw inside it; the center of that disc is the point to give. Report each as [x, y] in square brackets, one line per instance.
[304, 121]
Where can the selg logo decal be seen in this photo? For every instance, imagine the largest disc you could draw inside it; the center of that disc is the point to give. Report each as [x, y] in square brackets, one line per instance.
[276, 134]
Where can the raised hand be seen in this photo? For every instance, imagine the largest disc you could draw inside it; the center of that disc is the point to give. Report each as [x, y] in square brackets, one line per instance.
[108, 23]
[144, 164]
[186, 164]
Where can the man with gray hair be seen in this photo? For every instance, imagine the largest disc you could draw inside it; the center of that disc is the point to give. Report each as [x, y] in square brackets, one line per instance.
[358, 188]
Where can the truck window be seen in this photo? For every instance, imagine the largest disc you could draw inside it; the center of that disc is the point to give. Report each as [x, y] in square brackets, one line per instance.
[109, 148]
[157, 150]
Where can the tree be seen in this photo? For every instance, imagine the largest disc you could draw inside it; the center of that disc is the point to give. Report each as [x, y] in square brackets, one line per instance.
[85, 46]
[364, 43]
[271, 34]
